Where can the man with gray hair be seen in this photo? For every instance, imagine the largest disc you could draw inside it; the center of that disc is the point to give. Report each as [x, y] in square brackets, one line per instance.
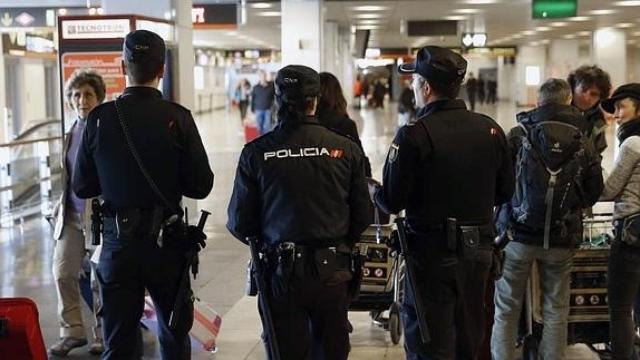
[558, 174]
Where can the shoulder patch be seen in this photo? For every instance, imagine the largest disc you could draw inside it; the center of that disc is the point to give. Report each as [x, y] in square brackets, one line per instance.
[393, 152]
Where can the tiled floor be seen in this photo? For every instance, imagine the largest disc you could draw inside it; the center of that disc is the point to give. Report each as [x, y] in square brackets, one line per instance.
[26, 251]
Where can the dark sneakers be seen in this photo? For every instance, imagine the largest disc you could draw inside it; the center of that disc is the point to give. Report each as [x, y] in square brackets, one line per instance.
[62, 347]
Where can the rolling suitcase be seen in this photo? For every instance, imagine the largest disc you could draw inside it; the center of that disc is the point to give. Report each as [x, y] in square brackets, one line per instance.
[250, 132]
[20, 335]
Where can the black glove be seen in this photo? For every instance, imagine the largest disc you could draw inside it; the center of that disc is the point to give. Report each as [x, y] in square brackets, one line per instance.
[196, 237]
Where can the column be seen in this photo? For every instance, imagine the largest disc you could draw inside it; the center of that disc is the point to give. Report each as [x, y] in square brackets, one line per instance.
[610, 53]
[301, 33]
[562, 58]
[530, 73]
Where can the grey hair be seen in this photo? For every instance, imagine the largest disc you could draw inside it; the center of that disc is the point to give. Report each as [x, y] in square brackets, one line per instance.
[554, 91]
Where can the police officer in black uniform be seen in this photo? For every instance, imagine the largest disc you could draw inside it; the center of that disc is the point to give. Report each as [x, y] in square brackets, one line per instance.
[301, 188]
[134, 255]
[448, 171]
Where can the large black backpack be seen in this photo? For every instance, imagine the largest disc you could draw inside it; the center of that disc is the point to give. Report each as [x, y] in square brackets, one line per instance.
[548, 172]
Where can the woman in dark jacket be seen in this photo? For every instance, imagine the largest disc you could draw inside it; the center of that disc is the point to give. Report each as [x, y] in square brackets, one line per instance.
[332, 112]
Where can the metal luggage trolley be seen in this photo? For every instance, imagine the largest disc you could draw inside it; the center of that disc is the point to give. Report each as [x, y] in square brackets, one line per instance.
[589, 314]
[380, 290]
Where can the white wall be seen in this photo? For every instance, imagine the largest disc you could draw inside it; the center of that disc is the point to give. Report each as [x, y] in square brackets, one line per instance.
[528, 56]
[609, 52]
[562, 58]
[301, 35]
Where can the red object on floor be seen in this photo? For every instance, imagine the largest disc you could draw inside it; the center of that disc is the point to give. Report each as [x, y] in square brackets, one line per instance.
[250, 133]
[20, 334]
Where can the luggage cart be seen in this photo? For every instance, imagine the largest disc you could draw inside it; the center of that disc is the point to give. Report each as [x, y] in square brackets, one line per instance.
[380, 290]
[588, 321]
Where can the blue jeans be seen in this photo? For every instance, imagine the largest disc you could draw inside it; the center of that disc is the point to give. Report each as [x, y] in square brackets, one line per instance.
[263, 119]
[554, 267]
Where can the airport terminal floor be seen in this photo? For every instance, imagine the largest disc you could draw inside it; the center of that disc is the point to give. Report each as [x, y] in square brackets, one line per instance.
[26, 251]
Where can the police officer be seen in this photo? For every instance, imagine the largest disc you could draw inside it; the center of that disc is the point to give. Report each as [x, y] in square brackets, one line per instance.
[169, 154]
[447, 171]
[301, 188]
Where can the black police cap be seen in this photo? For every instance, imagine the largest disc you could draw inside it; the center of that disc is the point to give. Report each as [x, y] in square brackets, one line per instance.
[631, 90]
[297, 82]
[142, 46]
[434, 62]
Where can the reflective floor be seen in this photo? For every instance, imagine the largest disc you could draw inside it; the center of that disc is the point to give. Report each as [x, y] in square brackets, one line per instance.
[26, 251]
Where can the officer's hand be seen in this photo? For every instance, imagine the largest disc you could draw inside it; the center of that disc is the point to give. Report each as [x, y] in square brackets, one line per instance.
[197, 237]
[373, 185]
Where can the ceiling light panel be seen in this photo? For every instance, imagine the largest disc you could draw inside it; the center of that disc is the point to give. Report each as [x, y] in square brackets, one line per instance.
[580, 18]
[455, 17]
[559, 24]
[627, 3]
[602, 12]
[370, 8]
[261, 5]
[624, 25]
[269, 13]
[369, 16]
[466, 11]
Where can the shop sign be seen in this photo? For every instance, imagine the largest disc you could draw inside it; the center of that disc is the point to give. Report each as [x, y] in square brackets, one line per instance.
[27, 17]
[163, 29]
[95, 29]
[217, 16]
[106, 63]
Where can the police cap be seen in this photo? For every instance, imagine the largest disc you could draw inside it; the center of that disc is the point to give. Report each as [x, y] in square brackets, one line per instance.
[631, 90]
[142, 46]
[440, 64]
[297, 82]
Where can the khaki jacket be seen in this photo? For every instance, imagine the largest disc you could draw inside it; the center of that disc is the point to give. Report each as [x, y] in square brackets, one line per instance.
[59, 208]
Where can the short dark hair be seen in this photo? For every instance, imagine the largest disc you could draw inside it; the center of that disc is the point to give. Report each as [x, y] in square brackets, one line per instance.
[331, 96]
[445, 89]
[591, 75]
[143, 72]
[86, 77]
[554, 91]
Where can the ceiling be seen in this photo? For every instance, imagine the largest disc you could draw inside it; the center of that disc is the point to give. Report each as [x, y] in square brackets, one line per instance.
[506, 22]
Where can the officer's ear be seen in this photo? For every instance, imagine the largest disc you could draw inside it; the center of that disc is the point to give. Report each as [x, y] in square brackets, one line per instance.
[427, 90]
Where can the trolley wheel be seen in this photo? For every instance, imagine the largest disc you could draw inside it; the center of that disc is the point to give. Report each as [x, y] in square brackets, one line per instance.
[530, 348]
[395, 327]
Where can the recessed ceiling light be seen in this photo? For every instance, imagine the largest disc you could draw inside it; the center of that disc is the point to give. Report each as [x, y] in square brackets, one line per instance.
[569, 36]
[455, 17]
[602, 12]
[370, 8]
[627, 3]
[466, 11]
[480, 2]
[580, 18]
[631, 41]
[583, 33]
[369, 21]
[269, 13]
[517, 36]
[261, 5]
[624, 25]
[558, 24]
[636, 33]
[528, 32]
[534, 43]
[368, 16]
[545, 41]
[543, 28]
[367, 27]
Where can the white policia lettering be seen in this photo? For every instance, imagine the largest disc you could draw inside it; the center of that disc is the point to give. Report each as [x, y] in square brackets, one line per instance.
[303, 152]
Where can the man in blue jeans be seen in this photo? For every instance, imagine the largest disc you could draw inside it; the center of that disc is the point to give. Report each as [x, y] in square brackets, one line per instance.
[261, 100]
[558, 174]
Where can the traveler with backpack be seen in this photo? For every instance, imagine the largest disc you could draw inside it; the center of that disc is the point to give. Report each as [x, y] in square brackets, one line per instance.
[558, 174]
[623, 187]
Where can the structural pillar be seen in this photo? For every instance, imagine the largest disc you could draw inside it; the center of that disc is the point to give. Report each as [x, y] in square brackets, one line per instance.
[562, 58]
[530, 73]
[610, 53]
[301, 33]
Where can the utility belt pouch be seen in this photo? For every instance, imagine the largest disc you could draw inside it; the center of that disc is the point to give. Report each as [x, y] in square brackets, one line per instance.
[284, 267]
[469, 239]
[127, 223]
[326, 263]
[631, 230]
[451, 228]
[357, 262]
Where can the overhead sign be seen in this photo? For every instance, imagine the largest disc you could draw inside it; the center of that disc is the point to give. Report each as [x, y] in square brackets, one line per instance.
[470, 40]
[554, 9]
[95, 29]
[220, 16]
[27, 17]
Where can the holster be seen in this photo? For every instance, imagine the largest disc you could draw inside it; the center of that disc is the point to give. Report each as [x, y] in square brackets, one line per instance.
[357, 262]
[466, 239]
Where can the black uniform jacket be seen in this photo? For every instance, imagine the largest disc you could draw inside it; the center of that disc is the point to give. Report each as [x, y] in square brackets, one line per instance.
[450, 163]
[300, 183]
[166, 137]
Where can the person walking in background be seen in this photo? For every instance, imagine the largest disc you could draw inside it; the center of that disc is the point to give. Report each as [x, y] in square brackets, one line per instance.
[623, 186]
[83, 91]
[481, 90]
[379, 90]
[492, 91]
[332, 112]
[357, 92]
[242, 97]
[406, 104]
[262, 97]
[472, 87]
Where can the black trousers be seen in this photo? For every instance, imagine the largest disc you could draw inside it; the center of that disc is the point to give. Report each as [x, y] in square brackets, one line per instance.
[129, 263]
[624, 282]
[453, 292]
[242, 105]
[311, 321]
